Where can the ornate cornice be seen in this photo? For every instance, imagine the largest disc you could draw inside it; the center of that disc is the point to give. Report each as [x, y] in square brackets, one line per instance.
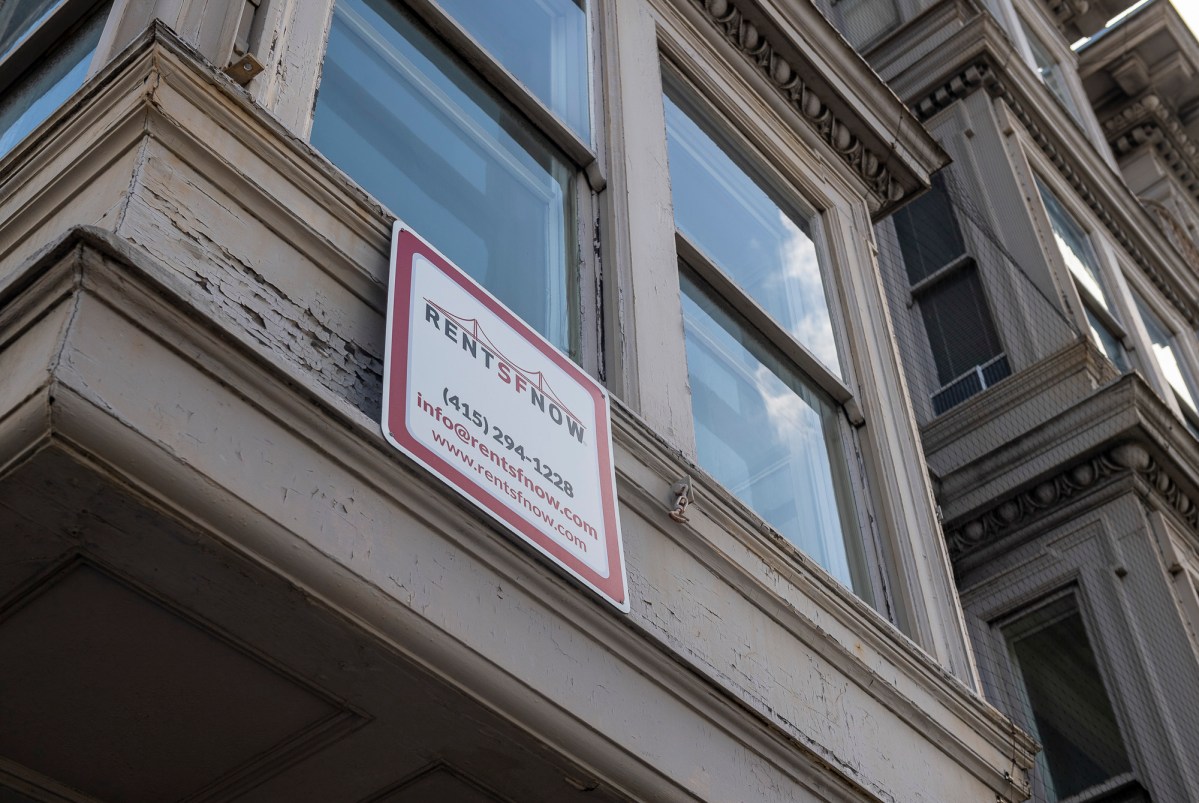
[1174, 231]
[1064, 11]
[1152, 111]
[1147, 107]
[1012, 513]
[953, 90]
[1150, 121]
[982, 75]
[757, 48]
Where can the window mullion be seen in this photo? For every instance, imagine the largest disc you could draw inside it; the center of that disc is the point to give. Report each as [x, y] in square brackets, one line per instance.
[940, 275]
[1102, 312]
[500, 79]
[760, 320]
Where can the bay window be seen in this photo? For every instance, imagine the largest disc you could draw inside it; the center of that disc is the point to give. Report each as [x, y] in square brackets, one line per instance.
[1078, 254]
[762, 359]
[1171, 361]
[454, 158]
[476, 124]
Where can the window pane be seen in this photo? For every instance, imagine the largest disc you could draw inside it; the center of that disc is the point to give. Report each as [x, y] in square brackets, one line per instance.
[928, 234]
[959, 325]
[1050, 71]
[406, 121]
[1064, 693]
[19, 17]
[763, 248]
[543, 43]
[1075, 246]
[768, 436]
[34, 97]
[1163, 350]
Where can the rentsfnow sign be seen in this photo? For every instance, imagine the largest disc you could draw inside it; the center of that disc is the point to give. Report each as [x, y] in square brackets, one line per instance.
[483, 401]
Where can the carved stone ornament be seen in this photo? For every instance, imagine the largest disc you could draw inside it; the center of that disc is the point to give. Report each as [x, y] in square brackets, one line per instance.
[747, 39]
[1064, 11]
[1149, 120]
[982, 75]
[1174, 232]
[1056, 491]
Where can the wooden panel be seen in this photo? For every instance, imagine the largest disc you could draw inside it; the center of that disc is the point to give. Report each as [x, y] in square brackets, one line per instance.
[125, 699]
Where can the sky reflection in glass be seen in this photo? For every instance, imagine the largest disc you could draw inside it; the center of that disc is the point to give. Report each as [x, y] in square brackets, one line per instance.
[36, 96]
[418, 131]
[765, 434]
[761, 247]
[541, 42]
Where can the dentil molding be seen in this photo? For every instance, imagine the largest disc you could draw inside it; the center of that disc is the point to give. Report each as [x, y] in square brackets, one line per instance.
[758, 49]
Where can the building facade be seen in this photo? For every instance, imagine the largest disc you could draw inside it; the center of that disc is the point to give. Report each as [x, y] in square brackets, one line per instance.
[1044, 298]
[219, 580]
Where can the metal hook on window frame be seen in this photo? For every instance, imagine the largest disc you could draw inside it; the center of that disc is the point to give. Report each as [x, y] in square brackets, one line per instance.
[684, 494]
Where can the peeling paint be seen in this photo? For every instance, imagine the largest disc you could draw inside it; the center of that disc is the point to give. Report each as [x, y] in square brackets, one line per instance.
[158, 218]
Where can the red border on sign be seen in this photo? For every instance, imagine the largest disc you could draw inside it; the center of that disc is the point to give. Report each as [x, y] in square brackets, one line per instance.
[407, 244]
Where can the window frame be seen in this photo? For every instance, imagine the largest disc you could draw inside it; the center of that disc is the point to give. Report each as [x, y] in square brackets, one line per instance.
[797, 195]
[297, 105]
[861, 560]
[1121, 284]
[965, 261]
[959, 267]
[1080, 562]
[1017, 694]
[1034, 40]
[1114, 308]
[901, 531]
[1030, 18]
[63, 20]
[42, 37]
[503, 82]
[1182, 346]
